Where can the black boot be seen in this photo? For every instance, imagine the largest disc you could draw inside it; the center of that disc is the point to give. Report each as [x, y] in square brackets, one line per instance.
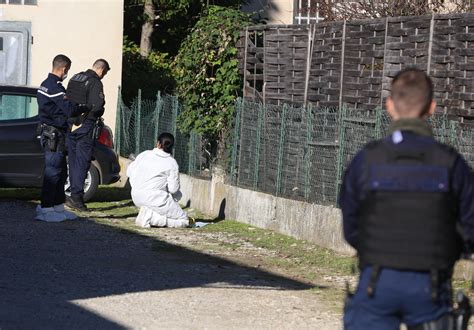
[76, 202]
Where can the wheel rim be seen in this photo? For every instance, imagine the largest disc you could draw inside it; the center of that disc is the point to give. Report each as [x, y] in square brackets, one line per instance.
[87, 183]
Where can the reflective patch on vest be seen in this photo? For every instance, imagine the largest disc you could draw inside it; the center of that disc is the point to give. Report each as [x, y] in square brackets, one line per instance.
[397, 137]
[423, 178]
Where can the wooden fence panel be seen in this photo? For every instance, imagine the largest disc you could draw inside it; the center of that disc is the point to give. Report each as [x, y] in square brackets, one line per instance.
[353, 63]
[364, 64]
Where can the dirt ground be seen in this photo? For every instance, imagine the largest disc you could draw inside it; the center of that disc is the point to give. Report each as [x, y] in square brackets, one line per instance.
[94, 274]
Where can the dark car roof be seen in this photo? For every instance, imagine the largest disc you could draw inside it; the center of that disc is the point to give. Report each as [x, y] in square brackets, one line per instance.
[22, 90]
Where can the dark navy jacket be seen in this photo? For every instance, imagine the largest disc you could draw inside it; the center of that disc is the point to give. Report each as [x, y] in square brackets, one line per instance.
[354, 187]
[54, 108]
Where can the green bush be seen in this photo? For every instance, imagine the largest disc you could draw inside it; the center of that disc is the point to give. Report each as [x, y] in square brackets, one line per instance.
[206, 71]
[150, 74]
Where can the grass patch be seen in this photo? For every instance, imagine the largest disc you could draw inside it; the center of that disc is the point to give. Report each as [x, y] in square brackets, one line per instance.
[463, 285]
[117, 210]
[300, 252]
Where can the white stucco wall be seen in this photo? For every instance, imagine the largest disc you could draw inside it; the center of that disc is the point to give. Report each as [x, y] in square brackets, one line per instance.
[83, 30]
[277, 11]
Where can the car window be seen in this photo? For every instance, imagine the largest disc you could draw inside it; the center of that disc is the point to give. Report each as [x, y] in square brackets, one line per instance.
[17, 107]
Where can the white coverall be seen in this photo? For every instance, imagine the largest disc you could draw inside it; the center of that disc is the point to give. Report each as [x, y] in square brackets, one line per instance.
[154, 177]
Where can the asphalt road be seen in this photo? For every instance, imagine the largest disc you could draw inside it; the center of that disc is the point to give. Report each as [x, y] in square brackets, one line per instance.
[83, 275]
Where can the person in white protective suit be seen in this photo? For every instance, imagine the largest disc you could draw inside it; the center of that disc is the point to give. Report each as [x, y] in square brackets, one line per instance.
[154, 177]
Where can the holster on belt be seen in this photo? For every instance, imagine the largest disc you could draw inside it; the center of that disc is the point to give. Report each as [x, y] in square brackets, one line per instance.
[53, 138]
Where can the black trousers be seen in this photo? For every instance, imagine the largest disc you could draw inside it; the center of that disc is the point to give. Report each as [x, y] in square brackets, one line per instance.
[55, 175]
[80, 146]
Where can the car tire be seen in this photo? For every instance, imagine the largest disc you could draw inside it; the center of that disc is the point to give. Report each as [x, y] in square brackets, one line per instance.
[95, 180]
[91, 185]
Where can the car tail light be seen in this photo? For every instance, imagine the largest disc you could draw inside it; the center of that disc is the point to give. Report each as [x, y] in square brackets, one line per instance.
[105, 137]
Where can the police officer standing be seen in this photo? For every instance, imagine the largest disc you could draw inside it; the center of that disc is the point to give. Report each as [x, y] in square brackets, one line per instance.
[54, 110]
[85, 87]
[405, 201]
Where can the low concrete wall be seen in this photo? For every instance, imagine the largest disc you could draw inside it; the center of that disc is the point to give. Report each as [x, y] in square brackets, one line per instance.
[311, 222]
[319, 224]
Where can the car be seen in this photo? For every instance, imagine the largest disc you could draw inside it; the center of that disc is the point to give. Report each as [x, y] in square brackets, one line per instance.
[21, 155]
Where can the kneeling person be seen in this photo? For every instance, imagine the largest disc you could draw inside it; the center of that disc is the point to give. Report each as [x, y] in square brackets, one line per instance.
[154, 177]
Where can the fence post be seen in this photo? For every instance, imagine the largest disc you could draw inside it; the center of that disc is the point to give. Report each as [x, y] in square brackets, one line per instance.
[378, 123]
[309, 59]
[453, 133]
[175, 116]
[340, 154]
[242, 112]
[174, 119]
[158, 107]
[138, 123]
[343, 54]
[430, 45]
[235, 142]
[280, 149]
[443, 136]
[118, 123]
[384, 55]
[192, 153]
[307, 151]
[261, 111]
[245, 61]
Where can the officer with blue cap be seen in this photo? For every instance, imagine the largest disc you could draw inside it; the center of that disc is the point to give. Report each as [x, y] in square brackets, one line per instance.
[54, 111]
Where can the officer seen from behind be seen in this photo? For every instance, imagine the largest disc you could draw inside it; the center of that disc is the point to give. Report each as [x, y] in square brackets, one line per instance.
[85, 87]
[405, 201]
[54, 110]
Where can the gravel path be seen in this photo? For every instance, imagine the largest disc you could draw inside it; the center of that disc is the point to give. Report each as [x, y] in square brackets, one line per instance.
[81, 274]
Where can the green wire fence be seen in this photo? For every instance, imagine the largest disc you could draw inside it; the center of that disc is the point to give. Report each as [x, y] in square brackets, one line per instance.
[288, 151]
[139, 124]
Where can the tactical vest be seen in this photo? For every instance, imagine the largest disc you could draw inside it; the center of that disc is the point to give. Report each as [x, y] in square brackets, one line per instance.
[408, 220]
[78, 87]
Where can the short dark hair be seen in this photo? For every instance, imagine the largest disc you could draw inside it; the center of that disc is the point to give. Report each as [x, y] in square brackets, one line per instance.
[412, 91]
[167, 141]
[101, 64]
[61, 61]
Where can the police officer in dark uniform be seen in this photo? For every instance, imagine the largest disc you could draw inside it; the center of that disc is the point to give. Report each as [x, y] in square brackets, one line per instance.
[406, 201]
[54, 111]
[84, 87]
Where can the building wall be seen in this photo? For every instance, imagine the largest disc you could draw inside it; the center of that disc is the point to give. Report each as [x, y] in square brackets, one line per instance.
[84, 30]
[276, 11]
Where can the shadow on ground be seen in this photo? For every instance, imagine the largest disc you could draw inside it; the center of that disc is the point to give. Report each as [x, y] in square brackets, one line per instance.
[112, 194]
[44, 266]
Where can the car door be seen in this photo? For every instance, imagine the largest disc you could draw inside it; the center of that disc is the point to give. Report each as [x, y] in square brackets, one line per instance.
[21, 155]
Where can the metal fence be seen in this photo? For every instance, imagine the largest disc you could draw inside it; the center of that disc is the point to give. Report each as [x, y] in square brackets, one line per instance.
[294, 152]
[139, 124]
[301, 153]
